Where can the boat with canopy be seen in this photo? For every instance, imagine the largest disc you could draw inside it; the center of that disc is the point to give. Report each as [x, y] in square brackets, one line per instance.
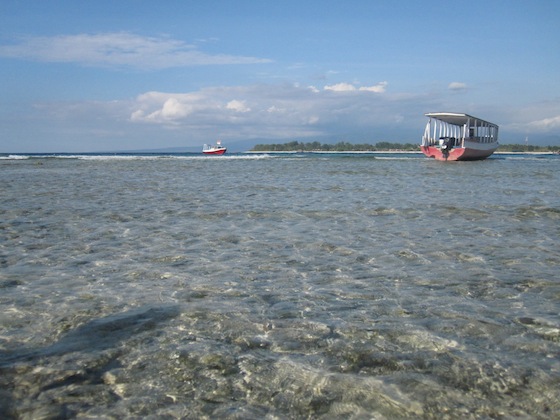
[453, 136]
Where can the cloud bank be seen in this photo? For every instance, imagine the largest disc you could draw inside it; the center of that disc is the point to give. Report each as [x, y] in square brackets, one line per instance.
[276, 111]
[294, 111]
[119, 49]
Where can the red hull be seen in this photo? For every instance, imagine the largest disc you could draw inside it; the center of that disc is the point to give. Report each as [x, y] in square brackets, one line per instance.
[458, 153]
[214, 152]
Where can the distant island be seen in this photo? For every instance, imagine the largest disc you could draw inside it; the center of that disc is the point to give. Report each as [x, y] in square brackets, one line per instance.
[343, 146]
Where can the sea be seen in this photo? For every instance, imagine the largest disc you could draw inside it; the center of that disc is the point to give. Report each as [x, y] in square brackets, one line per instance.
[279, 286]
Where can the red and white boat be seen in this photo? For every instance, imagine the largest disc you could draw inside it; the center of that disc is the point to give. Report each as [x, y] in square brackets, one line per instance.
[218, 149]
[451, 136]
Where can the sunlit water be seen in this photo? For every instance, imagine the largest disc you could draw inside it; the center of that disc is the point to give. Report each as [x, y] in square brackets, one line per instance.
[291, 286]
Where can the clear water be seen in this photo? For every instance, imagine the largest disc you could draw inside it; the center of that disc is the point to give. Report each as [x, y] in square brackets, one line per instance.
[287, 286]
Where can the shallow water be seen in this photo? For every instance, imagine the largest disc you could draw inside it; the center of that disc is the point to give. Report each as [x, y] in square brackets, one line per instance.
[291, 286]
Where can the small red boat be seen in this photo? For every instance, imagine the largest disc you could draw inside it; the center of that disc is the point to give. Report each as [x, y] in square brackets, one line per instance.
[451, 136]
[218, 149]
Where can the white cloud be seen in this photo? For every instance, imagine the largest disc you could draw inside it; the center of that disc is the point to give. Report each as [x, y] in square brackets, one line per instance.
[274, 111]
[173, 109]
[237, 106]
[348, 87]
[541, 117]
[341, 87]
[119, 49]
[378, 88]
[457, 86]
[545, 124]
[269, 112]
[169, 108]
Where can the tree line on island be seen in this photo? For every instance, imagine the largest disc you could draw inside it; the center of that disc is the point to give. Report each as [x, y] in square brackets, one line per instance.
[384, 146]
[342, 146]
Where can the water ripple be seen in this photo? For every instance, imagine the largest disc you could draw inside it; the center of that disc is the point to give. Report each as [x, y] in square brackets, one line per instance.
[279, 287]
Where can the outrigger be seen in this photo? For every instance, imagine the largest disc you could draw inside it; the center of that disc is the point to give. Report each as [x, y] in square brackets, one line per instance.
[452, 136]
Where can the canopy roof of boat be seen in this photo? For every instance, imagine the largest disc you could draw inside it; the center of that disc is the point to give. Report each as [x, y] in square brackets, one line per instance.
[459, 119]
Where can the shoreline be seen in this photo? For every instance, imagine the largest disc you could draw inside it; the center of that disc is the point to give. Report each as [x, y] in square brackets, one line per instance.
[383, 152]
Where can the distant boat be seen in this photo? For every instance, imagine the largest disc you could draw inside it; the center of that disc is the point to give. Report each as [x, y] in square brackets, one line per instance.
[451, 136]
[218, 149]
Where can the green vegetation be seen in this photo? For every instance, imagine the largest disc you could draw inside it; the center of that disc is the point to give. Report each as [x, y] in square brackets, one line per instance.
[384, 146]
[521, 148]
[343, 146]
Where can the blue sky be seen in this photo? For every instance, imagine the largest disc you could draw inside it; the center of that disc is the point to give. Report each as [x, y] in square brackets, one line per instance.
[86, 76]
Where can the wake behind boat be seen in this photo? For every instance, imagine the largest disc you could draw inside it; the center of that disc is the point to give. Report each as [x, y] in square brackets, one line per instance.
[451, 136]
[218, 149]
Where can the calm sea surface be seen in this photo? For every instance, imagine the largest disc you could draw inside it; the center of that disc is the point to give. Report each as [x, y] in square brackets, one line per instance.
[279, 286]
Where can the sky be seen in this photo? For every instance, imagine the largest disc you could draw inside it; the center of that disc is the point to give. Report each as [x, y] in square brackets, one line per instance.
[119, 75]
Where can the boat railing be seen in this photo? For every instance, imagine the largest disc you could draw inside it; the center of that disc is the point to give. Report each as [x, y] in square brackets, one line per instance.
[482, 139]
[474, 131]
